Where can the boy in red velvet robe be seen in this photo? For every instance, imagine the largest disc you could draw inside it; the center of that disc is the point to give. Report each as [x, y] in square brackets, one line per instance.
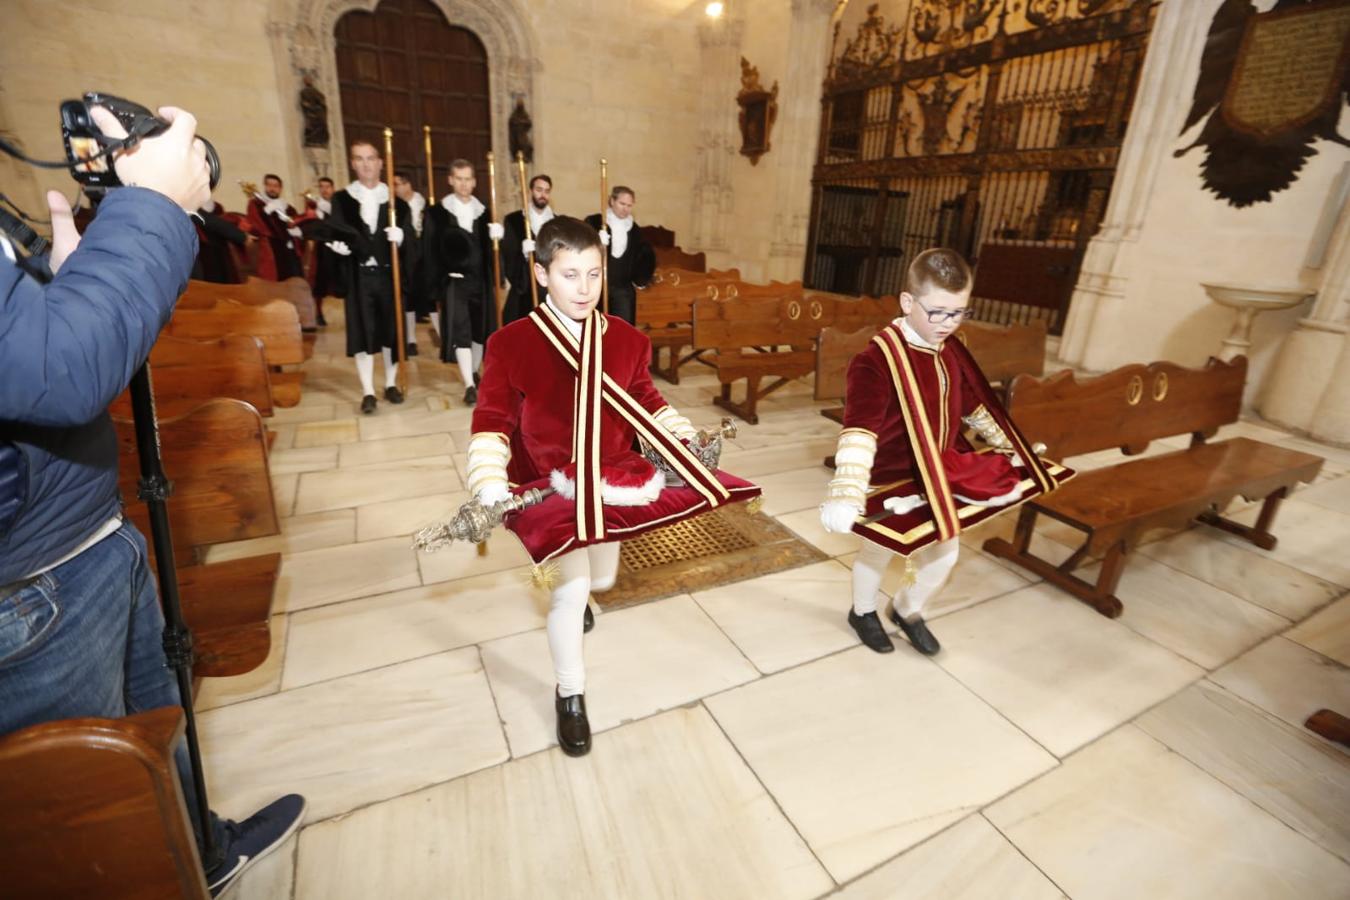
[564, 393]
[906, 479]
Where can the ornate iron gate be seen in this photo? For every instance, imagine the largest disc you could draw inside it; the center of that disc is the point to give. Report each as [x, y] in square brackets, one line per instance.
[989, 126]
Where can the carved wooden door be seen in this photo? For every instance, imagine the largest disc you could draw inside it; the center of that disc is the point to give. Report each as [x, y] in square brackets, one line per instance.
[988, 126]
[404, 66]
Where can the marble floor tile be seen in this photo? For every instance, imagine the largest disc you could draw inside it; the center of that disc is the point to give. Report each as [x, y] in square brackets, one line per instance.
[639, 661]
[339, 488]
[316, 577]
[285, 435]
[364, 453]
[868, 754]
[358, 635]
[305, 412]
[786, 492]
[1336, 457]
[786, 618]
[1244, 571]
[969, 861]
[1063, 673]
[355, 740]
[1287, 680]
[325, 433]
[1333, 495]
[976, 578]
[298, 533]
[1311, 537]
[1287, 771]
[660, 808]
[306, 459]
[752, 464]
[1328, 632]
[1127, 818]
[264, 680]
[504, 551]
[284, 489]
[806, 524]
[1193, 619]
[403, 517]
[413, 421]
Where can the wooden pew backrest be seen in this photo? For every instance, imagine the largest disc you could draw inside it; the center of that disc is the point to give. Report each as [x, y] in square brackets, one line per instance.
[187, 373]
[1128, 407]
[731, 325]
[835, 351]
[1005, 351]
[676, 257]
[274, 323]
[94, 808]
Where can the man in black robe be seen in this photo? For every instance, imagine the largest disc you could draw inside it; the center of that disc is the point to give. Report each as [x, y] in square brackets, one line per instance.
[632, 262]
[516, 249]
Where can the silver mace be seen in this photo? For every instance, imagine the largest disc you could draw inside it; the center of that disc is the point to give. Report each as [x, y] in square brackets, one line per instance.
[473, 522]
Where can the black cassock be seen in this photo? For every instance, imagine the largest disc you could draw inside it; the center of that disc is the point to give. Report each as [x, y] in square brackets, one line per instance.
[461, 279]
[516, 268]
[628, 272]
[368, 290]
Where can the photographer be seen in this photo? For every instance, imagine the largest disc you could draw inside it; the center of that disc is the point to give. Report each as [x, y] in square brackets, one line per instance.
[80, 619]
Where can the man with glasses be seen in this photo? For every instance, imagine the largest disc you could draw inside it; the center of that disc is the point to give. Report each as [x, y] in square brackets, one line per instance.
[906, 478]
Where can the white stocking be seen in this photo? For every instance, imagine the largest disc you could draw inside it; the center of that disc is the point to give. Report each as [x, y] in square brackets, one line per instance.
[869, 568]
[933, 565]
[436, 323]
[390, 368]
[410, 327]
[566, 610]
[365, 370]
[477, 355]
[604, 565]
[465, 359]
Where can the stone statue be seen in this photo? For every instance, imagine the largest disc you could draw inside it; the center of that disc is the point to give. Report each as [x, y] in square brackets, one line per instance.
[519, 125]
[314, 107]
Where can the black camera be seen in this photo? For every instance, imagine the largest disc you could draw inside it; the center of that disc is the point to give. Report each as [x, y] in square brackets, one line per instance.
[89, 152]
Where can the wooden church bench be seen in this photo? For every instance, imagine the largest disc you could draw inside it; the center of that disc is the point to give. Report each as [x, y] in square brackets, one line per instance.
[94, 808]
[274, 323]
[1117, 505]
[187, 373]
[665, 312]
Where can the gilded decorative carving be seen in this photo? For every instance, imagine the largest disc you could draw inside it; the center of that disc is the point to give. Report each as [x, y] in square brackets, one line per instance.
[759, 110]
[875, 46]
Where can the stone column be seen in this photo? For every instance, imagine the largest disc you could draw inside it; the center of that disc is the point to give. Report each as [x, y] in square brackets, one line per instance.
[796, 135]
[1166, 85]
[1309, 386]
[719, 62]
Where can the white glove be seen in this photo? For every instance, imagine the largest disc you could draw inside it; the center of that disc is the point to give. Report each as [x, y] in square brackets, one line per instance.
[489, 494]
[294, 232]
[395, 234]
[495, 231]
[1017, 461]
[838, 516]
[276, 207]
[325, 206]
[527, 246]
[340, 248]
[604, 236]
[901, 505]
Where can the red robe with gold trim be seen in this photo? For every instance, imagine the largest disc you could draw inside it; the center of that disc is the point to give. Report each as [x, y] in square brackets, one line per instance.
[925, 452]
[278, 253]
[527, 393]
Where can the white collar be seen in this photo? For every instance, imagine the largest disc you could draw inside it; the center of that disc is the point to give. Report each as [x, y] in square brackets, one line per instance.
[617, 224]
[572, 324]
[378, 194]
[913, 337]
[539, 217]
[463, 212]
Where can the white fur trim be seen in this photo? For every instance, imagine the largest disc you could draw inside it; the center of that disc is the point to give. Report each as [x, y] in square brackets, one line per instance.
[1001, 500]
[610, 495]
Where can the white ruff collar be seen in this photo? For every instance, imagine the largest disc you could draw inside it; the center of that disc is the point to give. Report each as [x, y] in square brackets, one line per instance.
[464, 213]
[370, 199]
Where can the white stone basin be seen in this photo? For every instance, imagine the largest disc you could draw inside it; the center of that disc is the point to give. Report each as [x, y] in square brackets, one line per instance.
[1255, 299]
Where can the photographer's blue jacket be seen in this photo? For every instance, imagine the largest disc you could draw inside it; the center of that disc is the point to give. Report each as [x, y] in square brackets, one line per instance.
[67, 349]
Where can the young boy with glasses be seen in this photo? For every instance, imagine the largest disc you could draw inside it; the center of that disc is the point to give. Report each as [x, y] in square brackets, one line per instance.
[906, 479]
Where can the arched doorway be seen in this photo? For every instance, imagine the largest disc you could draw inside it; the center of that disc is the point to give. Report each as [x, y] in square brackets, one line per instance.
[404, 66]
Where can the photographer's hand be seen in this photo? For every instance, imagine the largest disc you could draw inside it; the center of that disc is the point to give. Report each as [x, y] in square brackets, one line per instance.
[65, 238]
[172, 163]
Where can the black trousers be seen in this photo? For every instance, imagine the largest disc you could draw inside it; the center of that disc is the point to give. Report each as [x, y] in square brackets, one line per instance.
[468, 315]
[623, 302]
[370, 311]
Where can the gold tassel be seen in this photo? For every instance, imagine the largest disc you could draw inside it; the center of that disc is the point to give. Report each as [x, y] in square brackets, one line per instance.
[910, 575]
[482, 548]
[545, 575]
[755, 505]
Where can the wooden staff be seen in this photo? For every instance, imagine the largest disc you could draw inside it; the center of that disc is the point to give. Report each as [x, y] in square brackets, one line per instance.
[604, 226]
[393, 261]
[497, 293]
[525, 215]
[431, 179]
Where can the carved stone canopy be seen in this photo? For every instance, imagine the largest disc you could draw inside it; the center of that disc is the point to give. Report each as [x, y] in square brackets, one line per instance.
[759, 110]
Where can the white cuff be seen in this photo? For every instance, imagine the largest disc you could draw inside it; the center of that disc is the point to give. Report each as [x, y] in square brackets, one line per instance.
[489, 453]
[670, 419]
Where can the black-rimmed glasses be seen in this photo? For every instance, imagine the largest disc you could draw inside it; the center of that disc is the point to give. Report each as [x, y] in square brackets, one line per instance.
[938, 316]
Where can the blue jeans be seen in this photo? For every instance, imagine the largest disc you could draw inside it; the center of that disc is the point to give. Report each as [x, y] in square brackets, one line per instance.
[84, 639]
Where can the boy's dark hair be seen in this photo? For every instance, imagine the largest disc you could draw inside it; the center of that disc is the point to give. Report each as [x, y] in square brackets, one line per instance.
[276, 178]
[325, 178]
[938, 267]
[460, 163]
[544, 178]
[403, 173]
[622, 189]
[564, 233]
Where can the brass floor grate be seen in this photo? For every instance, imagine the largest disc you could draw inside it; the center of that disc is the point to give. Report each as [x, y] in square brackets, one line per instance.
[691, 539]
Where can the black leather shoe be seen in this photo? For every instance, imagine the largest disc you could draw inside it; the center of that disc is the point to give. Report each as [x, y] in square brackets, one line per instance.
[368, 404]
[411, 349]
[587, 621]
[918, 634]
[870, 632]
[574, 729]
[393, 395]
[471, 395]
